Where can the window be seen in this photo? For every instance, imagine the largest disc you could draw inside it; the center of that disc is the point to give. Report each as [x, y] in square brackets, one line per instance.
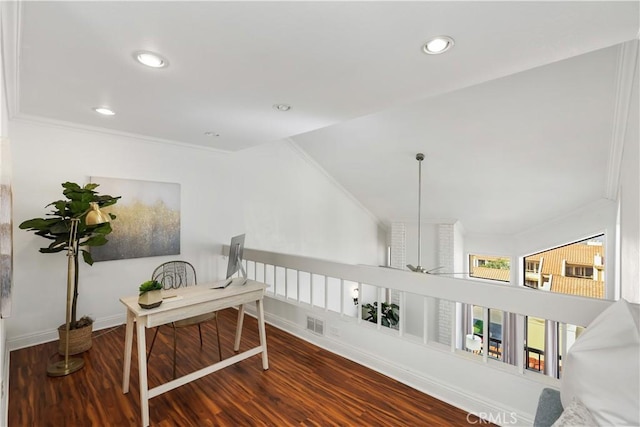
[575, 269]
[532, 266]
[495, 318]
[495, 268]
[490, 267]
[534, 344]
[579, 271]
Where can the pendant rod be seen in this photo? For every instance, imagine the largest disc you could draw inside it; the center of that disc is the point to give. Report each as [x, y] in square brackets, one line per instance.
[419, 158]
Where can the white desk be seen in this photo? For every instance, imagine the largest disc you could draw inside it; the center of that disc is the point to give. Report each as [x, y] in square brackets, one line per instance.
[194, 300]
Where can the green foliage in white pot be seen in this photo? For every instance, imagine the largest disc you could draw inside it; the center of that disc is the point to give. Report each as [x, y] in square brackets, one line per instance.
[57, 227]
[150, 285]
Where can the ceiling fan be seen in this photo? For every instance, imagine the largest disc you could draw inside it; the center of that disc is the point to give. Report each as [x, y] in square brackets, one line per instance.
[418, 268]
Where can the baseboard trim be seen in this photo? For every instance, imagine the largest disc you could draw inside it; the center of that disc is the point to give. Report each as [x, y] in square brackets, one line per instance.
[4, 403]
[49, 335]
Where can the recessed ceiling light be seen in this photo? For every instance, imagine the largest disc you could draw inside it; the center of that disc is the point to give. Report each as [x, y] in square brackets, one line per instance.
[282, 107]
[150, 59]
[437, 45]
[211, 134]
[104, 111]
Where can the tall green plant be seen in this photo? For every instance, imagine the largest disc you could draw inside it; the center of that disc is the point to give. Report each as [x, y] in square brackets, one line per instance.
[57, 227]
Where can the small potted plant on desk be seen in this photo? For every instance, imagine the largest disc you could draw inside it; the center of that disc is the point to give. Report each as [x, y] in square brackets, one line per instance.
[150, 294]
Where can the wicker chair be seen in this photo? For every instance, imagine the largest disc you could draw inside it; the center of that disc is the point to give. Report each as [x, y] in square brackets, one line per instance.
[174, 275]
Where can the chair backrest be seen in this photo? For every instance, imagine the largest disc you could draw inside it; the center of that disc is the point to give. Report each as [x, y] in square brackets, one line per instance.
[175, 274]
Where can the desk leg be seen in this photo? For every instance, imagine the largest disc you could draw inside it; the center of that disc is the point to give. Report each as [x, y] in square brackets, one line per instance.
[236, 345]
[128, 344]
[142, 368]
[263, 335]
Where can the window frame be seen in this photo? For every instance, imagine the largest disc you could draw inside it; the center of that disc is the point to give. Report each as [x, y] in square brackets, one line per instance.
[484, 258]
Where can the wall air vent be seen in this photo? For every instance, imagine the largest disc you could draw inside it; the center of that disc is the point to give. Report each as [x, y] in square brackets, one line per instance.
[315, 325]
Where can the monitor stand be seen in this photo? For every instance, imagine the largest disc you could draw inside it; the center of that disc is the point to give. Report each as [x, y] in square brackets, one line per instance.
[238, 281]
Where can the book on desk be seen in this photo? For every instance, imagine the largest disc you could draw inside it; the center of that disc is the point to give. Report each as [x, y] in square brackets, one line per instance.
[170, 296]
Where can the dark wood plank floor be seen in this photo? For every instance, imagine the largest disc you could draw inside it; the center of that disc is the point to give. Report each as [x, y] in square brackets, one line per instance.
[305, 386]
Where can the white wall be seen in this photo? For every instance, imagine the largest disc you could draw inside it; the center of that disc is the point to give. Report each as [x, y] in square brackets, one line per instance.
[270, 193]
[4, 359]
[487, 244]
[292, 207]
[630, 202]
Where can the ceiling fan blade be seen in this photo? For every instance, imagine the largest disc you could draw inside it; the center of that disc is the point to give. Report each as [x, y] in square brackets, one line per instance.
[381, 266]
[442, 273]
[417, 269]
[432, 271]
[447, 273]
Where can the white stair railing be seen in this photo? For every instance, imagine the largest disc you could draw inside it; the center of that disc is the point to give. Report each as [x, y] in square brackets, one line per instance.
[325, 285]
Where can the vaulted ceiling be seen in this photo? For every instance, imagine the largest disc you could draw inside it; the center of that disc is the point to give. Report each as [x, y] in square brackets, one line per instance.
[517, 121]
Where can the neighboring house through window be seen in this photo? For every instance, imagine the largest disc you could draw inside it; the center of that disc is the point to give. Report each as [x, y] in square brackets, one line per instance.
[489, 267]
[532, 266]
[574, 269]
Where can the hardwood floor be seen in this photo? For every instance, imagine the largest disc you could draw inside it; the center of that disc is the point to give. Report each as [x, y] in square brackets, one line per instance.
[305, 386]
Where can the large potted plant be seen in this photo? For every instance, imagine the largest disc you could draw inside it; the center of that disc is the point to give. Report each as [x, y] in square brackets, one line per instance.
[57, 227]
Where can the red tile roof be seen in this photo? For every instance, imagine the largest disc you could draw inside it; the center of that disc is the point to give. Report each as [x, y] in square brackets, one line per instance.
[491, 273]
[580, 254]
[577, 286]
[575, 254]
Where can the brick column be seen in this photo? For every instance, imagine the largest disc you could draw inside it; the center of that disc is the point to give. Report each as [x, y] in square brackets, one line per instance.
[398, 245]
[446, 257]
[398, 254]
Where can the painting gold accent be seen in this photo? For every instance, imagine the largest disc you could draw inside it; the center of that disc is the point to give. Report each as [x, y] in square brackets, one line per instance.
[148, 218]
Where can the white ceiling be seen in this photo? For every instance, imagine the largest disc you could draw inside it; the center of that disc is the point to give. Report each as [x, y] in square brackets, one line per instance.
[516, 121]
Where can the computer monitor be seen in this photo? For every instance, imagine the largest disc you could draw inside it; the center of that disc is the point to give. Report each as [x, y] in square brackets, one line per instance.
[236, 250]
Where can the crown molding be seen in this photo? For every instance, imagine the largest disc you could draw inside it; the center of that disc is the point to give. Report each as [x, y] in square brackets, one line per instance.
[603, 207]
[10, 13]
[626, 72]
[429, 221]
[60, 124]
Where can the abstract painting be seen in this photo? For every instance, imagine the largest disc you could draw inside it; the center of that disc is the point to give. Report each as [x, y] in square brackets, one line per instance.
[6, 230]
[147, 219]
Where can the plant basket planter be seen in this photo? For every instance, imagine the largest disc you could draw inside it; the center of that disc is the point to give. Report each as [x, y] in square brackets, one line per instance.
[150, 299]
[79, 339]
